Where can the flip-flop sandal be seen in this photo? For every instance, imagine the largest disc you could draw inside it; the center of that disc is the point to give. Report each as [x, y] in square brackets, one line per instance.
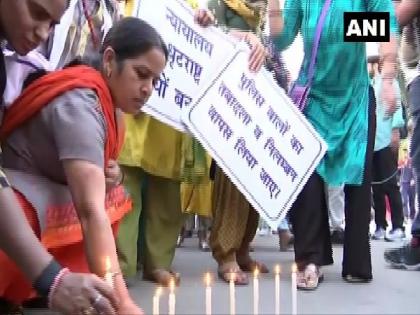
[310, 278]
[251, 265]
[226, 273]
[163, 277]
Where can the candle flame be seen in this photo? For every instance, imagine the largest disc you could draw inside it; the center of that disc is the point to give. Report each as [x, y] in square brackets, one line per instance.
[172, 285]
[232, 277]
[256, 272]
[277, 269]
[294, 268]
[207, 279]
[107, 264]
[158, 291]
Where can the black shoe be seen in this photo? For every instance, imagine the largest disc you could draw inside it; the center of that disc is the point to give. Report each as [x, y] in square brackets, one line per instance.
[406, 257]
[7, 308]
[337, 237]
[356, 279]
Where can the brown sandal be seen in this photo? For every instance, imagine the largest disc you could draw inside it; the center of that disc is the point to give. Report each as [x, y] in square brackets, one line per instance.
[229, 270]
[251, 265]
[286, 240]
[310, 278]
[163, 277]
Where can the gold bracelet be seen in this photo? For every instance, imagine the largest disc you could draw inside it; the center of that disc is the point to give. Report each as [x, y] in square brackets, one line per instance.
[388, 79]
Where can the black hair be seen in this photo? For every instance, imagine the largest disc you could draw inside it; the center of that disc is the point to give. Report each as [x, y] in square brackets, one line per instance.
[32, 77]
[131, 37]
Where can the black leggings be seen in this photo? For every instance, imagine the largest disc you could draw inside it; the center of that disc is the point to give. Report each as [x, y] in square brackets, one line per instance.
[309, 218]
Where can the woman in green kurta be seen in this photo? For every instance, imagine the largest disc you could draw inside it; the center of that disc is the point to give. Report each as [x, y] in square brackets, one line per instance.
[340, 110]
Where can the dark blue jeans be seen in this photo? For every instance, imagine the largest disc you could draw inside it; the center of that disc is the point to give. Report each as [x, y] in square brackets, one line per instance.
[414, 97]
[408, 196]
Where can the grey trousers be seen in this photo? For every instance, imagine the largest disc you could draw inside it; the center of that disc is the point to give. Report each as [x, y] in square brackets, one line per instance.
[335, 202]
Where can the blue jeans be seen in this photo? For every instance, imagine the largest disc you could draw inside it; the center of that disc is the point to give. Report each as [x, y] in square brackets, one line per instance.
[408, 196]
[414, 98]
[284, 225]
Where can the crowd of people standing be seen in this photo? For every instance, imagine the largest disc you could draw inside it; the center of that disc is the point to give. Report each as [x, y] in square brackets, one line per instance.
[92, 186]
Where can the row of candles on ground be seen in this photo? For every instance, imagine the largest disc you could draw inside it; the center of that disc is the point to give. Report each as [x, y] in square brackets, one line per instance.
[232, 295]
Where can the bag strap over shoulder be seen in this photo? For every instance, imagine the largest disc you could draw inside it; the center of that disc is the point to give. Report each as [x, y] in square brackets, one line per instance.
[317, 39]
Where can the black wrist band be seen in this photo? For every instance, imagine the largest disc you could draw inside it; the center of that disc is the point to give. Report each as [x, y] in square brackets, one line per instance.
[44, 282]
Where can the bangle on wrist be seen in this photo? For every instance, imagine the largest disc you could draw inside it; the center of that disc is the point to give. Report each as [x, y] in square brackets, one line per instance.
[388, 78]
[46, 279]
[55, 285]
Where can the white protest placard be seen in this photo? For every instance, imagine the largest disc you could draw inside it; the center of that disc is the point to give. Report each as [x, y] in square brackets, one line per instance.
[194, 54]
[256, 135]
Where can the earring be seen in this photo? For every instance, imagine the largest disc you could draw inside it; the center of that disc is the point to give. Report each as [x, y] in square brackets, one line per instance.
[108, 73]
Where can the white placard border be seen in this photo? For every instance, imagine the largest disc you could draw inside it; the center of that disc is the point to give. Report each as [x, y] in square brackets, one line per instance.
[152, 111]
[220, 161]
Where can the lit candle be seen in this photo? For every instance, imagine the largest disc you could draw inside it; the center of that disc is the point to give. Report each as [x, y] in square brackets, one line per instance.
[256, 291]
[294, 289]
[109, 276]
[232, 293]
[156, 301]
[172, 297]
[208, 294]
[277, 290]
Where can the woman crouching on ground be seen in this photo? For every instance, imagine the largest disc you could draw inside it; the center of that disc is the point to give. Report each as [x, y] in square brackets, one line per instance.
[57, 138]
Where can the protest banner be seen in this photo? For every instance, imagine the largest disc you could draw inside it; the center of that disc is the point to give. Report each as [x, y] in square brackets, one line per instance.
[194, 54]
[256, 135]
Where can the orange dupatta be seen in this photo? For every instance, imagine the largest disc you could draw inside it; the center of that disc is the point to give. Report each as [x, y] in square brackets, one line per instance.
[62, 219]
[46, 89]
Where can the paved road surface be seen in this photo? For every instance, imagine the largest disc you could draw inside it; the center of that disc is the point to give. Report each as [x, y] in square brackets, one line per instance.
[391, 292]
